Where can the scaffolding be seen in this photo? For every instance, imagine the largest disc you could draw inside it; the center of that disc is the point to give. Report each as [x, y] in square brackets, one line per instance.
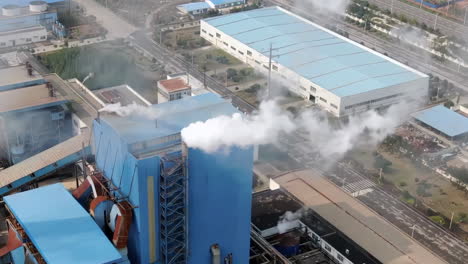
[173, 209]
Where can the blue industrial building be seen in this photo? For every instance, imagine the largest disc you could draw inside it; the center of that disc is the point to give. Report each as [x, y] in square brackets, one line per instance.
[189, 206]
[49, 221]
[443, 120]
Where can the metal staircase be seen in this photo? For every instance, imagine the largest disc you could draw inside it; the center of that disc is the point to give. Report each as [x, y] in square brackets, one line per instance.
[173, 208]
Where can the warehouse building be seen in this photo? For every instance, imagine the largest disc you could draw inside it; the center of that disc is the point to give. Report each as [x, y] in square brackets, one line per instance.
[443, 121]
[199, 8]
[339, 75]
[25, 24]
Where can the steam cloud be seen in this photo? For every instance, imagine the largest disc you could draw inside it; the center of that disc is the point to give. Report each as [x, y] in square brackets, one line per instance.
[133, 109]
[321, 6]
[237, 130]
[288, 221]
[271, 122]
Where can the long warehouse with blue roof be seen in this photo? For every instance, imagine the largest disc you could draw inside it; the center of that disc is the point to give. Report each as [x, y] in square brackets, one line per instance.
[338, 74]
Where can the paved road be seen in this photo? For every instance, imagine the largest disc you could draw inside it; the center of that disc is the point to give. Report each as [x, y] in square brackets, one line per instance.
[116, 27]
[446, 26]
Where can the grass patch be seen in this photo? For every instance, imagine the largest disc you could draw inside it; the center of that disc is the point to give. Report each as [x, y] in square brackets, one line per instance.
[111, 66]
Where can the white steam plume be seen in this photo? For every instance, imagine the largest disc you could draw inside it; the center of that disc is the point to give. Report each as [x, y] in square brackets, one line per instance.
[321, 6]
[133, 109]
[288, 220]
[238, 130]
[271, 122]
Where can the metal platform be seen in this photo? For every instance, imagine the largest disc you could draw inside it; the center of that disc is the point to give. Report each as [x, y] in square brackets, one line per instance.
[43, 163]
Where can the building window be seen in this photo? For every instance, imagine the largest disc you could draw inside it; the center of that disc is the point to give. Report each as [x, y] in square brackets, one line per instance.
[373, 101]
[43, 37]
[256, 61]
[323, 100]
[275, 67]
[2, 44]
[334, 106]
[225, 43]
[204, 31]
[218, 35]
[233, 48]
[303, 88]
[313, 89]
[211, 35]
[340, 258]
[28, 40]
[249, 53]
[266, 67]
[328, 248]
[241, 53]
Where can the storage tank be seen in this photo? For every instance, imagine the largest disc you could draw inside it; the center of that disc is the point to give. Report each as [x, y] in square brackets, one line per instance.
[11, 10]
[37, 6]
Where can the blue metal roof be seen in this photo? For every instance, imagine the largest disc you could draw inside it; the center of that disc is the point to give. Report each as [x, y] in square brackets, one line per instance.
[223, 2]
[25, 2]
[444, 120]
[333, 62]
[195, 6]
[60, 229]
[175, 115]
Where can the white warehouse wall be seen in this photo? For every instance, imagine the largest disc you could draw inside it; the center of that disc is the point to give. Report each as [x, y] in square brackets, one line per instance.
[22, 37]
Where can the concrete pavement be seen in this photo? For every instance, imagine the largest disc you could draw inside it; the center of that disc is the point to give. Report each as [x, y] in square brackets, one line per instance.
[116, 26]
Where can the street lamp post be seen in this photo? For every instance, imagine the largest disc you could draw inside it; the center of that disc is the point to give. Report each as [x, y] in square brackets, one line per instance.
[464, 19]
[412, 231]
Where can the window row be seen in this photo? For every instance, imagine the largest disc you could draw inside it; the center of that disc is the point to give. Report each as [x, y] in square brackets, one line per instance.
[373, 101]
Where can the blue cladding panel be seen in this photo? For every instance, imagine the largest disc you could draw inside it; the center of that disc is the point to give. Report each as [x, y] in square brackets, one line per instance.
[58, 226]
[22, 84]
[444, 120]
[190, 7]
[310, 50]
[220, 194]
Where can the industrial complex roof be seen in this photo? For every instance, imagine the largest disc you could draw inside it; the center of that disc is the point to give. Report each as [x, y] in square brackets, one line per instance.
[189, 7]
[17, 74]
[172, 117]
[444, 120]
[174, 85]
[60, 229]
[368, 229]
[333, 62]
[122, 94]
[28, 98]
[223, 2]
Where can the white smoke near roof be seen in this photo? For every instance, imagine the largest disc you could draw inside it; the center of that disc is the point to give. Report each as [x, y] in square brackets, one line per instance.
[262, 127]
[133, 109]
[322, 6]
[271, 122]
[289, 220]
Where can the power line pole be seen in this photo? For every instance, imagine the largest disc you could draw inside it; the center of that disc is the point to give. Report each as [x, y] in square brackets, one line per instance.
[451, 221]
[269, 72]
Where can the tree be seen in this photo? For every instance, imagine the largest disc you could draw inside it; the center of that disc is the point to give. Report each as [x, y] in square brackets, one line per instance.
[231, 73]
[462, 217]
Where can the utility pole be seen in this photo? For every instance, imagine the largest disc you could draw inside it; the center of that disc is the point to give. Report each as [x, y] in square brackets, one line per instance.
[464, 19]
[420, 6]
[344, 179]
[451, 221]
[435, 23]
[391, 8]
[448, 7]
[269, 72]
[380, 175]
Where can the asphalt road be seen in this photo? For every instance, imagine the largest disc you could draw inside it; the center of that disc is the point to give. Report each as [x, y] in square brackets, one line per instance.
[446, 26]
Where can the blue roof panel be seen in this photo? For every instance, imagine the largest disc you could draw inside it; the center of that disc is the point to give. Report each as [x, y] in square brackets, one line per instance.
[318, 55]
[195, 6]
[60, 229]
[174, 116]
[444, 120]
[222, 2]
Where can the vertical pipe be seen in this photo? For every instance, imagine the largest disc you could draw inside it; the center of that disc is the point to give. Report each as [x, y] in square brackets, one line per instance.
[269, 72]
